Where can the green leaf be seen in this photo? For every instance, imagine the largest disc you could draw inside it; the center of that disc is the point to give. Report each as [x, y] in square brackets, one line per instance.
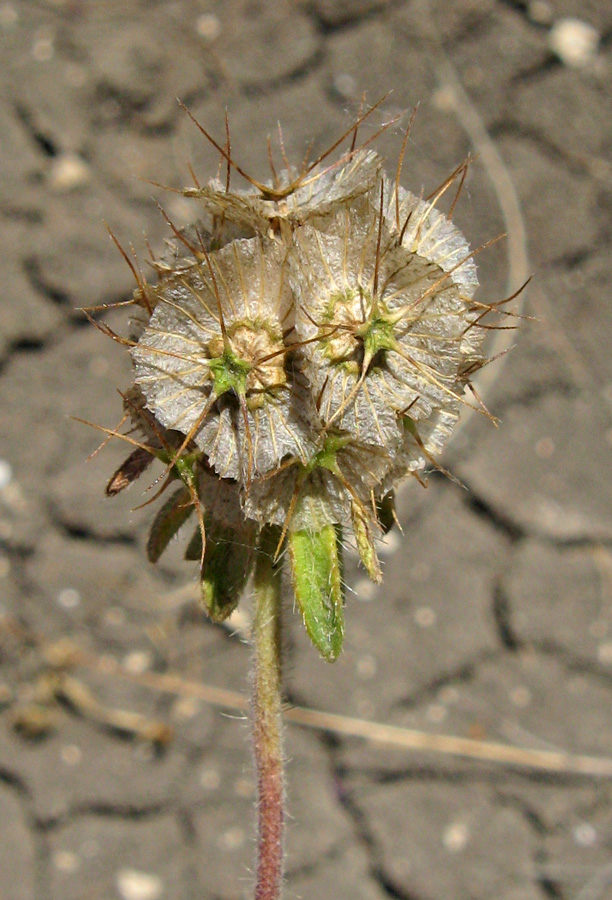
[167, 522]
[316, 573]
[228, 560]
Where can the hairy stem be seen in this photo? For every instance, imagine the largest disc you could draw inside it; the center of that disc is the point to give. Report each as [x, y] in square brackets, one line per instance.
[267, 720]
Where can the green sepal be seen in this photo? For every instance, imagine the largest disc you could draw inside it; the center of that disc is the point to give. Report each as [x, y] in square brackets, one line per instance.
[167, 522]
[364, 539]
[228, 560]
[229, 373]
[316, 573]
[379, 336]
[183, 466]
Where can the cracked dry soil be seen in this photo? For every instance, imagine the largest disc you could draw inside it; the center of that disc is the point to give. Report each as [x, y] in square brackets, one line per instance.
[494, 621]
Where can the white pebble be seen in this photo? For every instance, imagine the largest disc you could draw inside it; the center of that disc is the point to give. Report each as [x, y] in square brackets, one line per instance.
[436, 713]
[135, 885]
[604, 653]
[185, 708]
[345, 85]
[209, 779]
[42, 49]
[425, 616]
[456, 837]
[6, 473]
[232, 839]
[540, 12]
[137, 662]
[389, 544]
[68, 171]
[208, 26]
[69, 598]
[575, 42]
[366, 667]
[244, 787]
[365, 590]
[520, 696]
[584, 834]
[66, 861]
[71, 754]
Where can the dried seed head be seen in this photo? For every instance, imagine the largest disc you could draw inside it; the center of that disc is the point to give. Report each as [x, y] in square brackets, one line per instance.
[294, 198]
[212, 361]
[306, 346]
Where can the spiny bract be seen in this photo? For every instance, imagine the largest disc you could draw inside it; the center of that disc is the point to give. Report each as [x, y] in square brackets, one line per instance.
[305, 346]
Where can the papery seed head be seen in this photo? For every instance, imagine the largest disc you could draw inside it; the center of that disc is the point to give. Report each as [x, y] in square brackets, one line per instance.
[294, 199]
[306, 346]
[213, 362]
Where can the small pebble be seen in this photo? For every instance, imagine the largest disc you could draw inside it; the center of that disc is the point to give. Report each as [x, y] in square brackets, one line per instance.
[345, 86]
[135, 885]
[389, 544]
[540, 12]
[137, 662]
[42, 48]
[6, 473]
[604, 653]
[366, 667]
[69, 598]
[520, 696]
[209, 779]
[425, 617]
[208, 26]
[6, 694]
[436, 713]
[444, 99]
[456, 837]
[67, 172]
[232, 839]
[365, 590]
[575, 42]
[244, 787]
[584, 834]
[66, 861]
[71, 755]
[185, 708]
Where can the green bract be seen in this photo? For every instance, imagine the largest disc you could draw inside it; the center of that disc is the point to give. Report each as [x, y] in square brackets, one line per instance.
[316, 575]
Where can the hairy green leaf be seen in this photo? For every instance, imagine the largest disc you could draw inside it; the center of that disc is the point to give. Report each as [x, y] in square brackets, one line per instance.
[316, 572]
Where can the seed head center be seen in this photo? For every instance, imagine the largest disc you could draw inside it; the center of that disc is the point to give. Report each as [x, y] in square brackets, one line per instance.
[250, 363]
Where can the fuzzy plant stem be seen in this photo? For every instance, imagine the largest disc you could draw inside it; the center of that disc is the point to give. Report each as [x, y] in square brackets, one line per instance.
[267, 720]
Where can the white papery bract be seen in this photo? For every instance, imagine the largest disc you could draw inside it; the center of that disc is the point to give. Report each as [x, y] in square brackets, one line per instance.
[212, 361]
[293, 200]
[385, 315]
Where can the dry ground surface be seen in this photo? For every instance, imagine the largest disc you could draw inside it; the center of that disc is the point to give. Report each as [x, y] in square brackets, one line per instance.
[494, 621]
